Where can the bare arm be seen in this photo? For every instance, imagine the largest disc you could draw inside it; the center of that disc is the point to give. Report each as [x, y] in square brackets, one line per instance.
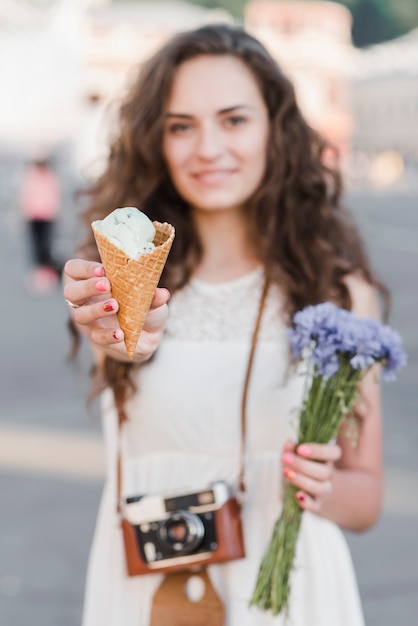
[85, 284]
[354, 472]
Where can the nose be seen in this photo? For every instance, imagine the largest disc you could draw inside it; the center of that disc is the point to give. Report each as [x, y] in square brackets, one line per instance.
[209, 144]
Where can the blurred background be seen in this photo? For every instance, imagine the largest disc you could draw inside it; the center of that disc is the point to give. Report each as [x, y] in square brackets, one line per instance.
[64, 64]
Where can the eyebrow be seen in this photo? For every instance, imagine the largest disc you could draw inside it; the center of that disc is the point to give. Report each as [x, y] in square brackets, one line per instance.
[221, 112]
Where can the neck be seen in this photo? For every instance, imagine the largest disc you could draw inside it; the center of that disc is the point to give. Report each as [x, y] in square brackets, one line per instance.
[227, 252]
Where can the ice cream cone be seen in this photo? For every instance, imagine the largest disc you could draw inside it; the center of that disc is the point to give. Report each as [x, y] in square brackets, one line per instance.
[133, 281]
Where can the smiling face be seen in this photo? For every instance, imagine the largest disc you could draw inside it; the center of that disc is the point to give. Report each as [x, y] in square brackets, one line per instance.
[216, 130]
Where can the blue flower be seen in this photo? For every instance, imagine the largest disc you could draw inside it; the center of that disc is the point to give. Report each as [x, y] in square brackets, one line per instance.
[332, 333]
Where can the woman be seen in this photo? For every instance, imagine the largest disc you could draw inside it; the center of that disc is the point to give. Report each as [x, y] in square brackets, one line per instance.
[212, 141]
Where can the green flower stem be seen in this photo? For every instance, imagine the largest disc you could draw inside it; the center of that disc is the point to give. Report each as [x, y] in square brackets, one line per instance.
[273, 587]
[328, 402]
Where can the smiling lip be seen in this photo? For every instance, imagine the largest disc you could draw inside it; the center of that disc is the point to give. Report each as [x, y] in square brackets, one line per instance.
[211, 178]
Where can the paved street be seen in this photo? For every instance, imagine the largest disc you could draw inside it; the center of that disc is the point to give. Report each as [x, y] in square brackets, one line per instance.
[51, 458]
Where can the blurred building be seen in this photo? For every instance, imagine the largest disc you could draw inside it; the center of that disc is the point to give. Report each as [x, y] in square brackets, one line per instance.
[312, 43]
[67, 58]
[39, 72]
[385, 98]
[18, 13]
[122, 34]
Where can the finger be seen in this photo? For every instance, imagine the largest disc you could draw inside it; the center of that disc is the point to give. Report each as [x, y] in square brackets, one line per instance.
[90, 313]
[161, 297]
[105, 336]
[319, 451]
[289, 446]
[317, 488]
[307, 503]
[79, 269]
[157, 316]
[148, 343]
[156, 319]
[80, 291]
[318, 470]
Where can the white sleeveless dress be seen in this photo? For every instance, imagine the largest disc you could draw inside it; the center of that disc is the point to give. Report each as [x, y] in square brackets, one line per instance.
[184, 432]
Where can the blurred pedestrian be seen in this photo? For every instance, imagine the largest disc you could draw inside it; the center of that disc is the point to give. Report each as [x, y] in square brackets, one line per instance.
[40, 203]
[212, 141]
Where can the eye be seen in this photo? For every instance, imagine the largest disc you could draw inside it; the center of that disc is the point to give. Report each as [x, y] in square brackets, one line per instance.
[235, 120]
[178, 128]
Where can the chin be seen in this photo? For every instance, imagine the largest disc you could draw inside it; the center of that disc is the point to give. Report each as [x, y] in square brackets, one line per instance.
[216, 203]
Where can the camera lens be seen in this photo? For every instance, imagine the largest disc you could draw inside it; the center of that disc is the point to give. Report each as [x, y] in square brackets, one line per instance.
[177, 531]
[182, 532]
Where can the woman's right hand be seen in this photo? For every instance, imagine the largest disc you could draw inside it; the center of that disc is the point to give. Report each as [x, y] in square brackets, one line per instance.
[86, 285]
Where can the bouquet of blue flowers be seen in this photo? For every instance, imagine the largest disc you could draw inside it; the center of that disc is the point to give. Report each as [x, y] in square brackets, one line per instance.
[339, 348]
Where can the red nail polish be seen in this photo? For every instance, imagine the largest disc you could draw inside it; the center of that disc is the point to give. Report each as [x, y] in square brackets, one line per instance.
[102, 285]
[108, 306]
[99, 271]
[117, 335]
[300, 497]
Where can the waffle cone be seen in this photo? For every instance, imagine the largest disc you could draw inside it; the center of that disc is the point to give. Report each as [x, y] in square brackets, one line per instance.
[133, 281]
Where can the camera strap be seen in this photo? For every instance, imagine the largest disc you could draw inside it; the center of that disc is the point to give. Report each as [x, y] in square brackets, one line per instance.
[241, 481]
[241, 478]
[172, 606]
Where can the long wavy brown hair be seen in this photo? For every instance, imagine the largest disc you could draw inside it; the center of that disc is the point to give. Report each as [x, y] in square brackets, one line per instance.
[301, 232]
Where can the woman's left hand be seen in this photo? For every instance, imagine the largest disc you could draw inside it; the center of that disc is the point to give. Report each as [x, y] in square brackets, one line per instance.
[310, 467]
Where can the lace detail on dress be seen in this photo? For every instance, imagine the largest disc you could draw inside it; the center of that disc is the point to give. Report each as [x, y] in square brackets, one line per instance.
[224, 311]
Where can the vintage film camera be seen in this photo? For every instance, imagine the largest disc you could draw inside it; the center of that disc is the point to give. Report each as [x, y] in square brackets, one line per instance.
[182, 531]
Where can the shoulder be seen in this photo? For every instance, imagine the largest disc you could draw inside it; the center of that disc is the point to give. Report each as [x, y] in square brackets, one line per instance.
[364, 298]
